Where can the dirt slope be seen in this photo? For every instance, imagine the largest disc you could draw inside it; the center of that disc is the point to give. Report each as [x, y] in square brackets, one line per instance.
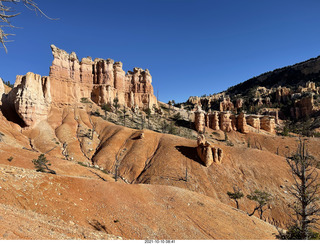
[131, 211]
[152, 172]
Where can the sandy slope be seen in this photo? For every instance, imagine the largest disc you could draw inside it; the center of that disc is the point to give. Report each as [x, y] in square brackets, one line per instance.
[153, 199]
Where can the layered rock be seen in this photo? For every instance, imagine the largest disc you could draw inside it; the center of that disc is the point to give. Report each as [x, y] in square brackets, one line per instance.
[214, 121]
[282, 94]
[199, 120]
[254, 121]
[70, 79]
[225, 122]
[100, 80]
[267, 123]
[207, 153]
[303, 107]
[242, 123]
[31, 98]
[226, 105]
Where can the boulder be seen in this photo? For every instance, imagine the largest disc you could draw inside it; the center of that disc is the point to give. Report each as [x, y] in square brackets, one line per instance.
[207, 153]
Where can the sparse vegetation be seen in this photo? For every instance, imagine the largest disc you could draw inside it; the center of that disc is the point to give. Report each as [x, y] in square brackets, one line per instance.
[84, 100]
[10, 159]
[7, 83]
[235, 195]
[1, 136]
[116, 103]
[41, 164]
[305, 190]
[262, 198]
[106, 107]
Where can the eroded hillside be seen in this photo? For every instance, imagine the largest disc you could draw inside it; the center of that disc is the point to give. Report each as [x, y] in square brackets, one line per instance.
[154, 180]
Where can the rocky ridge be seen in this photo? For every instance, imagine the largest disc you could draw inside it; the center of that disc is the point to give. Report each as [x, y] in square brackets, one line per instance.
[71, 82]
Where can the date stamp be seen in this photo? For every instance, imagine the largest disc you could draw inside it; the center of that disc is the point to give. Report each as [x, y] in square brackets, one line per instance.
[159, 241]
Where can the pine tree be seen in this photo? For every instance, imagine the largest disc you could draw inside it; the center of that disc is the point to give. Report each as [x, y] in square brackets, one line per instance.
[305, 191]
[235, 195]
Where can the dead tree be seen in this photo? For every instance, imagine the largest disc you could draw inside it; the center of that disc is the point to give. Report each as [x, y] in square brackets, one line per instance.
[7, 12]
[305, 190]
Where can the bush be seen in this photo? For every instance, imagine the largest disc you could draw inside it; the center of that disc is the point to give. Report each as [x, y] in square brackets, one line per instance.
[1, 135]
[84, 100]
[41, 165]
[295, 233]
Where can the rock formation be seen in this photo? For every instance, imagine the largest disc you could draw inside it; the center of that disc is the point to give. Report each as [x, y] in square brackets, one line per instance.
[199, 120]
[207, 153]
[303, 107]
[239, 103]
[242, 123]
[1, 90]
[70, 81]
[227, 121]
[254, 121]
[214, 121]
[100, 80]
[267, 123]
[226, 105]
[282, 94]
[30, 98]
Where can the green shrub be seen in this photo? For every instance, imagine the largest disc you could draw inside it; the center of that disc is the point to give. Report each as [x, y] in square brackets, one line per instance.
[41, 165]
[84, 100]
[295, 233]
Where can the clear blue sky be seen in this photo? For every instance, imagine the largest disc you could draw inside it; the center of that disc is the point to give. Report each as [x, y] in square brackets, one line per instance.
[191, 47]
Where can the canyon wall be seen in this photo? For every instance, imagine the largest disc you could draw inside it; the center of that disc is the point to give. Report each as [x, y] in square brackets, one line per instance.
[99, 80]
[72, 81]
[30, 98]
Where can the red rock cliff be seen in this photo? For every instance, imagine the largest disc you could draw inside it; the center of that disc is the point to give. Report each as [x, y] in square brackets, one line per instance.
[100, 80]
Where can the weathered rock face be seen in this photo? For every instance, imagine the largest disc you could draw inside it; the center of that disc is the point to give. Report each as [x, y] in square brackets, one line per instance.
[254, 121]
[199, 121]
[214, 121]
[1, 90]
[226, 105]
[282, 94]
[100, 80]
[207, 153]
[31, 98]
[303, 107]
[242, 123]
[267, 123]
[225, 122]
[69, 78]
[239, 103]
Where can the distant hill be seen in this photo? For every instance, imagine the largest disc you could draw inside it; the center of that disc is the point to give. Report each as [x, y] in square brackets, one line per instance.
[289, 76]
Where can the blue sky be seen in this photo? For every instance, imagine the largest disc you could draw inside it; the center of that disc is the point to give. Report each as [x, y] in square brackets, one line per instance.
[191, 47]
